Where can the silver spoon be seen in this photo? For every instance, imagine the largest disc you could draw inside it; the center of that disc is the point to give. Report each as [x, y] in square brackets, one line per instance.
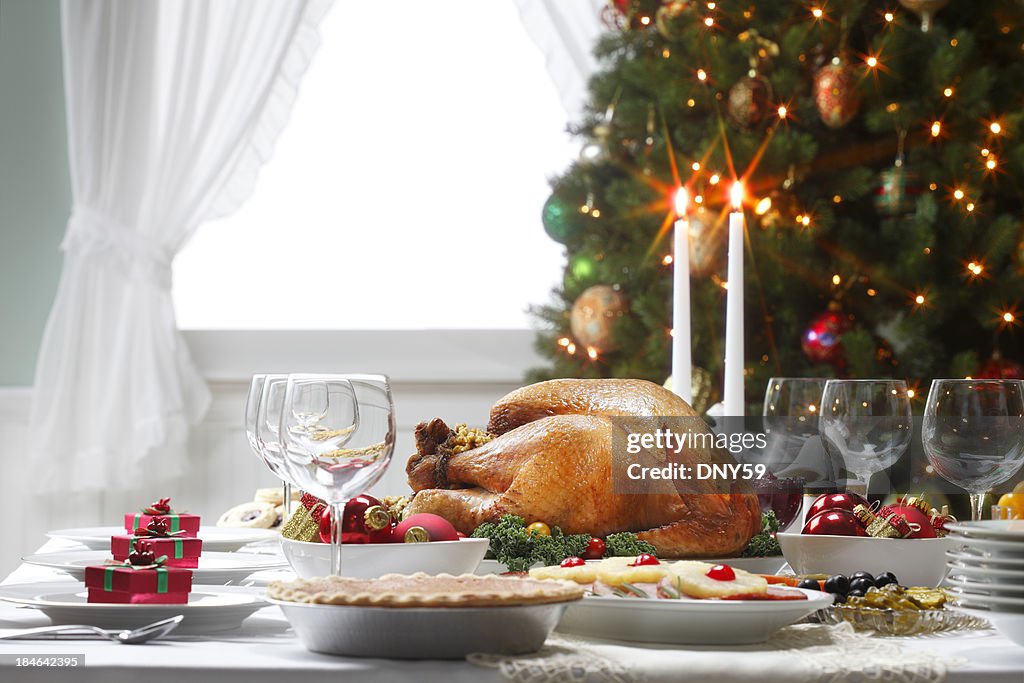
[136, 636]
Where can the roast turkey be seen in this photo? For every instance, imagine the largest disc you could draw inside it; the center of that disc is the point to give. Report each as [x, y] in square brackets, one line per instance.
[550, 458]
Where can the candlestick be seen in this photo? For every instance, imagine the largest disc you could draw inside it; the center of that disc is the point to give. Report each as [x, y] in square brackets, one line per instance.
[682, 365]
[733, 391]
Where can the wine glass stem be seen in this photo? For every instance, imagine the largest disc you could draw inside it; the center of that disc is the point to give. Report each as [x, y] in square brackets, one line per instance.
[977, 501]
[287, 499]
[337, 515]
[860, 485]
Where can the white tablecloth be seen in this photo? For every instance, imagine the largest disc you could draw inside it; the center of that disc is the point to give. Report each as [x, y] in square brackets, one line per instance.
[264, 649]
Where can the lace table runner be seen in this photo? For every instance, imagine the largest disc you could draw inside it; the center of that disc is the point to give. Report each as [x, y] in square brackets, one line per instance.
[806, 652]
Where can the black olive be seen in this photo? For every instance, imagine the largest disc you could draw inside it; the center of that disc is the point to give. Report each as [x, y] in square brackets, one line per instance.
[861, 584]
[838, 599]
[862, 575]
[855, 593]
[885, 578]
[838, 584]
[809, 584]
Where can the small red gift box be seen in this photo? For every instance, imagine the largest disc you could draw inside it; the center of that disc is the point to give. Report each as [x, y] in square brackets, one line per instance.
[180, 551]
[156, 585]
[175, 522]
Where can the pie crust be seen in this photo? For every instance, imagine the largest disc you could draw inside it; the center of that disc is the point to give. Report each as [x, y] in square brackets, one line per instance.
[424, 590]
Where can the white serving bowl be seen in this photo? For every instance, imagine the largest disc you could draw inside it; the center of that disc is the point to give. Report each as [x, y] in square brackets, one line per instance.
[370, 560]
[914, 561]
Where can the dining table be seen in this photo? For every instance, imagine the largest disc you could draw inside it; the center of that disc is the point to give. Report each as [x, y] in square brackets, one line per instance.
[266, 649]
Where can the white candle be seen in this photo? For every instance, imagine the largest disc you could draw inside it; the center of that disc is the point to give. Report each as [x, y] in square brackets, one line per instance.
[682, 372]
[733, 393]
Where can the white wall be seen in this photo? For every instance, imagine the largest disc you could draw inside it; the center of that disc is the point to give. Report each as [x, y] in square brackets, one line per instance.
[452, 375]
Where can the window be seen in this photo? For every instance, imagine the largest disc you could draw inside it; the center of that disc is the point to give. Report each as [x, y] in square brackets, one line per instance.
[405, 192]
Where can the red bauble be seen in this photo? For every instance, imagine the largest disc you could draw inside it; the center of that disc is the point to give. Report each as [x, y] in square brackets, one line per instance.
[355, 527]
[834, 523]
[836, 94]
[835, 501]
[822, 341]
[917, 519]
[438, 528]
[998, 367]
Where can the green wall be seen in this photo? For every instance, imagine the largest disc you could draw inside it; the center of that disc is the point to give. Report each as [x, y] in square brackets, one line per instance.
[35, 196]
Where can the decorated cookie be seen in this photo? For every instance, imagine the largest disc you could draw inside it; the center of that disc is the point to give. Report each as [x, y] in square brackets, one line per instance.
[250, 515]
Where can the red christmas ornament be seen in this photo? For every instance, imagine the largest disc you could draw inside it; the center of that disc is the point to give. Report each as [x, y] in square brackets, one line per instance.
[836, 94]
[835, 501]
[750, 99]
[998, 367]
[920, 523]
[822, 341]
[437, 528]
[834, 523]
[365, 520]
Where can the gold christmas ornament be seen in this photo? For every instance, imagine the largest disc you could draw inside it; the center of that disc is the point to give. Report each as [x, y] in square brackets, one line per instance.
[593, 317]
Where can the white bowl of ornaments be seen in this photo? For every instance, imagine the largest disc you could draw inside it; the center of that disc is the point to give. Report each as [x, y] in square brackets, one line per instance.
[420, 543]
[843, 535]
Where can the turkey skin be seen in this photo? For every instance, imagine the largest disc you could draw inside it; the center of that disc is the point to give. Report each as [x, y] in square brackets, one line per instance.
[551, 459]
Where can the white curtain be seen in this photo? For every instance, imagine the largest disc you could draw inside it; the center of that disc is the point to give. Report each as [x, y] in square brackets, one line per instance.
[566, 31]
[172, 106]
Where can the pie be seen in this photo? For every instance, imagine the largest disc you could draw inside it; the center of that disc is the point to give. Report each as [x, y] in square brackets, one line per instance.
[424, 590]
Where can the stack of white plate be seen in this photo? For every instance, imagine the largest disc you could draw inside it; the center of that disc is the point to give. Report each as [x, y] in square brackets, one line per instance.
[986, 573]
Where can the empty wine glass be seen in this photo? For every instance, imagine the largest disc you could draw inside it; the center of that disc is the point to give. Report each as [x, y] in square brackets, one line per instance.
[255, 430]
[866, 422]
[973, 433]
[792, 405]
[337, 434]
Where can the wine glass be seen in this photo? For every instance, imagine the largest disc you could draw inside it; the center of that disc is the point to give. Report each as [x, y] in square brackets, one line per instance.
[255, 428]
[337, 434]
[792, 405]
[973, 433]
[791, 409]
[866, 422]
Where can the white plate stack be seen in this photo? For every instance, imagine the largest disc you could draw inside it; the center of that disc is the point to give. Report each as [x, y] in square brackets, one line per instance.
[986, 573]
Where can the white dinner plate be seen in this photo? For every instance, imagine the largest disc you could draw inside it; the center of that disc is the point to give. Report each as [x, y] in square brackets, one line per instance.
[214, 568]
[687, 621]
[1001, 575]
[210, 609]
[974, 559]
[990, 546]
[998, 529]
[986, 587]
[215, 538]
[997, 602]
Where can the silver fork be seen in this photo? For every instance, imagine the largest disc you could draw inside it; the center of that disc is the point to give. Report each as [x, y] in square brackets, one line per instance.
[137, 636]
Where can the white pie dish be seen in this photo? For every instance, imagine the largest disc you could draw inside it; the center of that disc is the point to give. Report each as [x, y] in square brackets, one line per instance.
[915, 561]
[421, 632]
[370, 560]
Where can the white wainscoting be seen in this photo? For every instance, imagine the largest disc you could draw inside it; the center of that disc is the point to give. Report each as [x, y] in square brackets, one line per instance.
[453, 375]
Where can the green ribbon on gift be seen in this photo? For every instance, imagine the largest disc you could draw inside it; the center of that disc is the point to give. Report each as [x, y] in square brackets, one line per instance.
[175, 523]
[161, 577]
[161, 580]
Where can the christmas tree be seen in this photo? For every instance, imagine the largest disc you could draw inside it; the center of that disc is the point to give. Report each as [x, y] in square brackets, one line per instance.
[881, 152]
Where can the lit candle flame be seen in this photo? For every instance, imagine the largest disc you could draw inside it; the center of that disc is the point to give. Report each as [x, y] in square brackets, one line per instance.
[682, 201]
[736, 195]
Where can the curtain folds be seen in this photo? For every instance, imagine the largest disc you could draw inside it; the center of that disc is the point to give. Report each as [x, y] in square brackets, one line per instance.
[172, 106]
[565, 31]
